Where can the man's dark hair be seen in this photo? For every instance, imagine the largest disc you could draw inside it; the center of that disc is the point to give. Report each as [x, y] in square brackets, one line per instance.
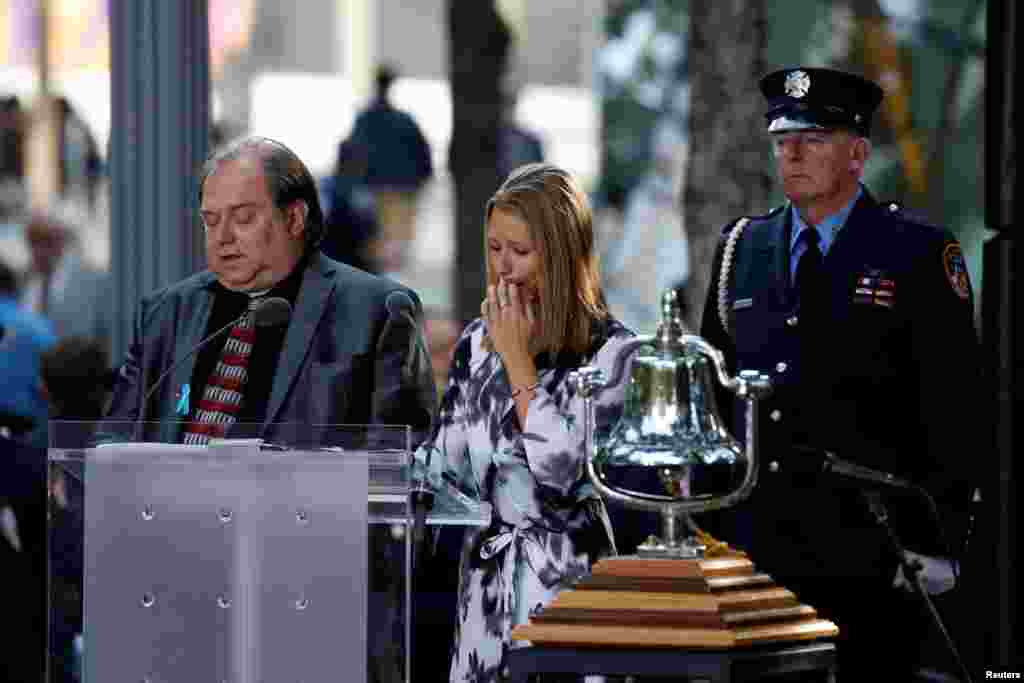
[288, 179]
[12, 142]
[386, 75]
[8, 280]
[8, 287]
[77, 377]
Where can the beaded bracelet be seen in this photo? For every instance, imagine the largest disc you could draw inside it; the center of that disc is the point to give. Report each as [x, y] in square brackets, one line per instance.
[520, 390]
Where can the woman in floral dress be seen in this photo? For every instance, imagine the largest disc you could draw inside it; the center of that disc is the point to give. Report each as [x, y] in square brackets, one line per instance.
[511, 429]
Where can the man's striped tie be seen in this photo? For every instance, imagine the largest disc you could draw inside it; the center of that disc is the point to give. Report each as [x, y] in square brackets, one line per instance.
[225, 388]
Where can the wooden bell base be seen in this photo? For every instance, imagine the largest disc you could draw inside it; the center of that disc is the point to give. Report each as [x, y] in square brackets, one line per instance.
[715, 603]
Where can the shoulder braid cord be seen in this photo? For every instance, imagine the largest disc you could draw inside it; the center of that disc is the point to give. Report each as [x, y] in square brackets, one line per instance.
[724, 271]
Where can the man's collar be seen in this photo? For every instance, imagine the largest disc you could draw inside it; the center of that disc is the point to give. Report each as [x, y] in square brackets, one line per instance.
[828, 228]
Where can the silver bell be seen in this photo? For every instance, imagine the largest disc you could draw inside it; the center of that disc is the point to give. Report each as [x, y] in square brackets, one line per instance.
[671, 433]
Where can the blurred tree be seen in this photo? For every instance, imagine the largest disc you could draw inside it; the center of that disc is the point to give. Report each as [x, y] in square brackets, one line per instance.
[922, 137]
[478, 44]
[643, 79]
[950, 124]
[728, 173]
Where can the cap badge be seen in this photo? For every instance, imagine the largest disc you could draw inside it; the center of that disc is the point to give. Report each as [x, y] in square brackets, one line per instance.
[797, 84]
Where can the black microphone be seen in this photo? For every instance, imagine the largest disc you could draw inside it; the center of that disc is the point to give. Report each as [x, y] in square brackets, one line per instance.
[274, 310]
[861, 474]
[402, 317]
[401, 310]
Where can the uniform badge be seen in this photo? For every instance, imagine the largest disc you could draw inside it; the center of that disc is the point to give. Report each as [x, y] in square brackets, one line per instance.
[875, 287]
[956, 270]
[797, 84]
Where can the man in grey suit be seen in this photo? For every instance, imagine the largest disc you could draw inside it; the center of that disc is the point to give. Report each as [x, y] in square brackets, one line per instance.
[351, 352]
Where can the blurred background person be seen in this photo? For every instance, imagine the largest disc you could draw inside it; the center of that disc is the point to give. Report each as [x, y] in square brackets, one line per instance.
[24, 336]
[73, 374]
[59, 284]
[23, 559]
[398, 166]
[81, 166]
[77, 381]
[350, 210]
[12, 168]
[505, 434]
[517, 144]
[12, 179]
[651, 254]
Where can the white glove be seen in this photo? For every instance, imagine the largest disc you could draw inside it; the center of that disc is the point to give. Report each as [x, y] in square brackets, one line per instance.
[9, 527]
[935, 574]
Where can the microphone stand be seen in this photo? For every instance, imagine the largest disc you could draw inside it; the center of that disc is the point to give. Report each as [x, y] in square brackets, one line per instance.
[880, 513]
[422, 500]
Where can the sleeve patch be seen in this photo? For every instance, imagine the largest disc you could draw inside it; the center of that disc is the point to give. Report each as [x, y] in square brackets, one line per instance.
[956, 270]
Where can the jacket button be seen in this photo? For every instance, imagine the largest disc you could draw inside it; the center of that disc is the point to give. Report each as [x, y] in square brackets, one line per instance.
[775, 415]
[792, 321]
[773, 466]
[781, 366]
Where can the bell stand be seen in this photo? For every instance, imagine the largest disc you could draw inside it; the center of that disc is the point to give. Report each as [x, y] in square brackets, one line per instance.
[672, 543]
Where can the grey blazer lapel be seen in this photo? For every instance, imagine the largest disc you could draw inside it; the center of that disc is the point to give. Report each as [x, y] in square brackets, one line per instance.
[314, 293]
[193, 317]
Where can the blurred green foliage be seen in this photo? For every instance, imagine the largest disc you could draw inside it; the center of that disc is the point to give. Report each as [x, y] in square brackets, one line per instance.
[642, 81]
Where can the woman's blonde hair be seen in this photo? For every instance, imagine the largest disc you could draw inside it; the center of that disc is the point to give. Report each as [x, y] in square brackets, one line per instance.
[549, 200]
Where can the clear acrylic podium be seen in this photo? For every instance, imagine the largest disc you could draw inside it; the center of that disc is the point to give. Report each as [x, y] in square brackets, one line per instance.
[244, 561]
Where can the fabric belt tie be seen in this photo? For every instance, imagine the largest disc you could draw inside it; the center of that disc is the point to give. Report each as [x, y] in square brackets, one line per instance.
[512, 541]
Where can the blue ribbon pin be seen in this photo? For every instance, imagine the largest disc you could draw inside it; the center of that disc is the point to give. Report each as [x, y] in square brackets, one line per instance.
[182, 407]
